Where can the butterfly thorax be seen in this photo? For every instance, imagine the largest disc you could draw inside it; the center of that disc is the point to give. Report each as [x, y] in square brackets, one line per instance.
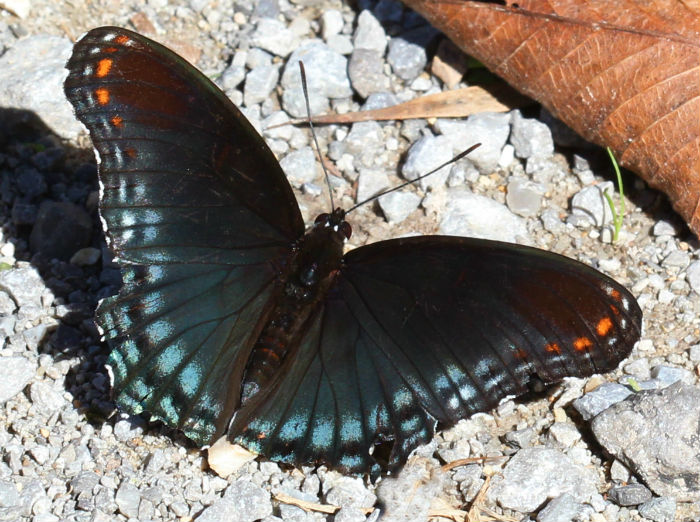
[316, 261]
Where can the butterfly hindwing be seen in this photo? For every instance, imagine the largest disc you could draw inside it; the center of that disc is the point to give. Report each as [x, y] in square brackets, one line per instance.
[200, 215]
[429, 329]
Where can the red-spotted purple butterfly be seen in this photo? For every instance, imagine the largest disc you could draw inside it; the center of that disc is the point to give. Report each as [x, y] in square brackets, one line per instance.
[234, 320]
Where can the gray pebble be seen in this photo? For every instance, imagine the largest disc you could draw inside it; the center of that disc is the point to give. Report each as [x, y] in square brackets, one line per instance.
[259, 83]
[664, 228]
[331, 23]
[656, 434]
[9, 496]
[619, 472]
[535, 474]
[31, 78]
[560, 509]
[232, 77]
[667, 375]
[424, 155]
[406, 58]
[380, 100]
[474, 215]
[283, 132]
[600, 399]
[86, 256]
[563, 434]
[524, 197]
[692, 275]
[326, 75]
[300, 166]
[84, 482]
[551, 221]
[349, 514]
[248, 501]
[589, 206]
[629, 495]
[17, 372]
[660, 509]
[491, 129]
[676, 259]
[127, 499]
[257, 58]
[530, 137]
[31, 182]
[340, 43]
[23, 284]
[370, 182]
[396, 206]
[273, 36]
[349, 491]
[694, 353]
[369, 34]
[45, 397]
[366, 72]
[364, 143]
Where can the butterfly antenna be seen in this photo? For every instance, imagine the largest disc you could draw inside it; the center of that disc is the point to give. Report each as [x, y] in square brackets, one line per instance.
[313, 132]
[453, 160]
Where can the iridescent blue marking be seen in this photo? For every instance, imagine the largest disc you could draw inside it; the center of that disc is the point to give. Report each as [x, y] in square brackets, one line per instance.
[169, 359]
[159, 330]
[130, 351]
[322, 433]
[351, 430]
[411, 424]
[294, 428]
[190, 378]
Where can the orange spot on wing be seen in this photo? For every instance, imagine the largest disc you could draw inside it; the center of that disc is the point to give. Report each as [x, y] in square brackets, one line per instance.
[582, 343]
[552, 348]
[117, 121]
[262, 435]
[103, 67]
[604, 326]
[520, 353]
[130, 152]
[102, 96]
[615, 310]
[615, 294]
[122, 39]
[110, 49]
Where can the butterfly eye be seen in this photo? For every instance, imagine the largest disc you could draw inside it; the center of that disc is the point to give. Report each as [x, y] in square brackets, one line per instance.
[322, 218]
[346, 229]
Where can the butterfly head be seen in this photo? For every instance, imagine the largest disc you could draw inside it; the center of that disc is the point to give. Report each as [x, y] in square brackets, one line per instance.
[336, 221]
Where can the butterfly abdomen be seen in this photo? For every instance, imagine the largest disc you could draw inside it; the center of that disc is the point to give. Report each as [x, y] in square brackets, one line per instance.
[310, 274]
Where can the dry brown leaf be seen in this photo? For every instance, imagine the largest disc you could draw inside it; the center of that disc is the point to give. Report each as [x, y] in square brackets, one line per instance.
[622, 74]
[449, 104]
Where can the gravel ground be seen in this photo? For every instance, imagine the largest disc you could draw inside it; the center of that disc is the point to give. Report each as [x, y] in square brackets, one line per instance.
[619, 447]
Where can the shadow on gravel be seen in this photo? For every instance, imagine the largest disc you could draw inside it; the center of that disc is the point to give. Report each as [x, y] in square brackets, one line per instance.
[48, 209]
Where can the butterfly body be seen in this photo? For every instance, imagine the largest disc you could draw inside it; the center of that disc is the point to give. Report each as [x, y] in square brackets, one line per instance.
[315, 261]
[232, 321]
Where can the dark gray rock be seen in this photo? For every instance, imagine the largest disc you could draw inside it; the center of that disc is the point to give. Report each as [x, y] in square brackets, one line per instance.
[560, 509]
[600, 399]
[60, 230]
[629, 495]
[656, 434]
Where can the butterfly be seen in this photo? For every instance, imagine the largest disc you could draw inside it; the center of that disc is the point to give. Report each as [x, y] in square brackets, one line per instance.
[233, 320]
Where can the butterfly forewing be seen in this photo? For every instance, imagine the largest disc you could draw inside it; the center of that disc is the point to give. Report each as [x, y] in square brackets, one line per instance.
[199, 212]
[430, 329]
